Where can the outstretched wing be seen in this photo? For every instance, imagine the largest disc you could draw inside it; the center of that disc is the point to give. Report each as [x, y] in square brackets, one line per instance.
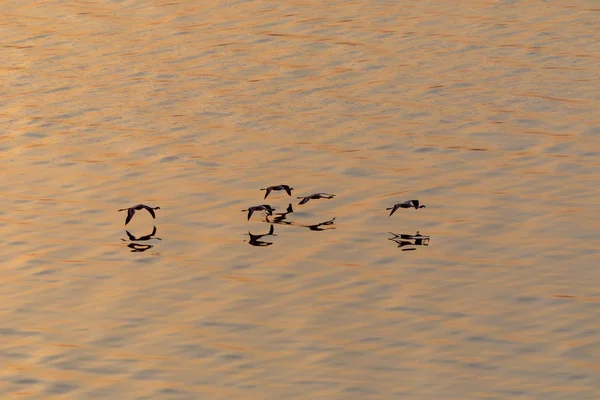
[304, 200]
[287, 189]
[151, 211]
[271, 230]
[268, 191]
[130, 213]
[394, 209]
[250, 211]
[130, 236]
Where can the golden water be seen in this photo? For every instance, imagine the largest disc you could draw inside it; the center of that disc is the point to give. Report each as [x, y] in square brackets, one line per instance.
[486, 111]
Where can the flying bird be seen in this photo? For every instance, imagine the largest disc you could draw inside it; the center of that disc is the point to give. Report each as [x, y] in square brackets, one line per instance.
[406, 204]
[278, 187]
[131, 211]
[315, 196]
[263, 207]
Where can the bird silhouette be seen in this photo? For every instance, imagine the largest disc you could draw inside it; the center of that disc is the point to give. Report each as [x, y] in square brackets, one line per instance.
[142, 238]
[131, 211]
[315, 196]
[317, 227]
[263, 207]
[278, 187]
[403, 239]
[254, 239]
[138, 248]
[280, 217]
[406, 204]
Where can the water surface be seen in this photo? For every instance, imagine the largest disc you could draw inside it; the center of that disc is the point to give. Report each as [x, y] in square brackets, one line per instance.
[486, 112]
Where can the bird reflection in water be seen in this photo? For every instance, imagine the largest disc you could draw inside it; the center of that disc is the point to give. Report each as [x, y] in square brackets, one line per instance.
[254, 239]
[137, 247]
[280, 217]
[142, 238]
[410, 240]
[317, 227]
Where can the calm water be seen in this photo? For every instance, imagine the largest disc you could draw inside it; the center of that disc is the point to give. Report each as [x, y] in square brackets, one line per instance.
[485, 111]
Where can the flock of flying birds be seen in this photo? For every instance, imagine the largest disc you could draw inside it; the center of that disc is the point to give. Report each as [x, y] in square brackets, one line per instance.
[401, 239]
[269, 210]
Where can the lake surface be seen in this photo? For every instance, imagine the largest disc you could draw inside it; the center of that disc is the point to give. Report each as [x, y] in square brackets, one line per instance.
[485, 111]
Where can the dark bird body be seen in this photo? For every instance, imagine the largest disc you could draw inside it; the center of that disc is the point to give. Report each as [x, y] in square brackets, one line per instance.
[315, 196]
[406, 204]
[131, 211]
[263, 207]
[278, 187]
